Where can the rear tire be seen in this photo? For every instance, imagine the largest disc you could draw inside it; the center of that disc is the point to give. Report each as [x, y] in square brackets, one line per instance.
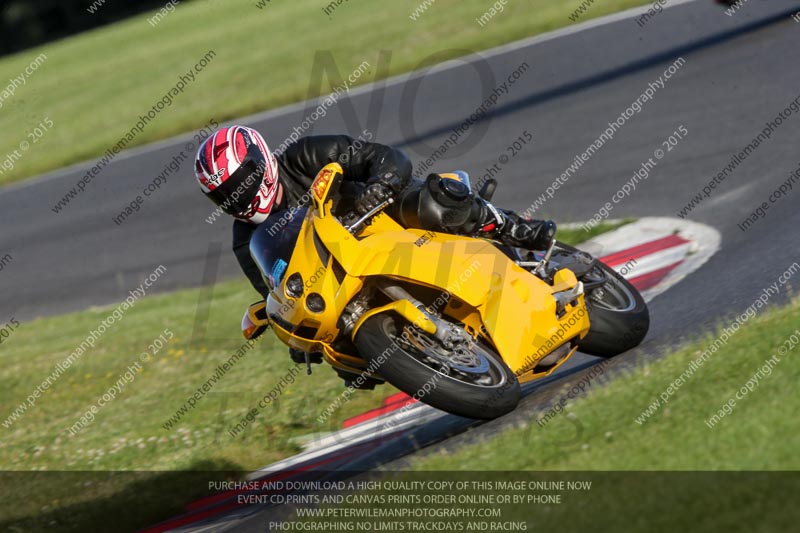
[614, 331]
[380, 342]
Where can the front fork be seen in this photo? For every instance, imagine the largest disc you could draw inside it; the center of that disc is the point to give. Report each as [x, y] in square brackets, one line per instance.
[447, 333]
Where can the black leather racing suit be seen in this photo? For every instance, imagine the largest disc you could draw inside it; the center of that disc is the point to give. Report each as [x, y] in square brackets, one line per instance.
[435, 204]
[298, 166]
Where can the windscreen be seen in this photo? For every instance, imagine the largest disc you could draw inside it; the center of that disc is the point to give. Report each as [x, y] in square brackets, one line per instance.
[273, 242]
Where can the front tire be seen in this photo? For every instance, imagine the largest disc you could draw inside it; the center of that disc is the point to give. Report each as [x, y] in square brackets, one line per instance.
[486, 390]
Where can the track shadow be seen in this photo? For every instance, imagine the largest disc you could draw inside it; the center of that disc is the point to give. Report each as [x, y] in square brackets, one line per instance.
[108, 501]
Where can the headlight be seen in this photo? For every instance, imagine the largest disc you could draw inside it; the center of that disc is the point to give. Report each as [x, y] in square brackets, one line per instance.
[315, 303]
[294, 285]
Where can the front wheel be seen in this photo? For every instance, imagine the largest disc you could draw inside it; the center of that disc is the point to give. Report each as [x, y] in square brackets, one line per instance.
[470, 380]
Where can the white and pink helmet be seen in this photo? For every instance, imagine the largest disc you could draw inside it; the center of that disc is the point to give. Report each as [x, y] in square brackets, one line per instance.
[237, 171]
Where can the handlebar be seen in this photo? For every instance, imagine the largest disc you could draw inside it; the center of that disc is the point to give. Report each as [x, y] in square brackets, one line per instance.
[540, 269]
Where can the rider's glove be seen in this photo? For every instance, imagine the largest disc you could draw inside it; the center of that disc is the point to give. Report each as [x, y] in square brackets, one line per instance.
[373, 196]
[254, 321]
[378, 190]
[534, 234]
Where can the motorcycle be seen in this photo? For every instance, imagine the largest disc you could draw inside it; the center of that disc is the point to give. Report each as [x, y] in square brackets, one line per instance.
[456, 322]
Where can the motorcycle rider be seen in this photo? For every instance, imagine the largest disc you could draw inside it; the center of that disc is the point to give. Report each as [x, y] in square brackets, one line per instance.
[237, 171]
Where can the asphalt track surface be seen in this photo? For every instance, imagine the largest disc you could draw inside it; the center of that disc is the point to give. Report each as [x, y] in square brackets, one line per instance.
[739, 72]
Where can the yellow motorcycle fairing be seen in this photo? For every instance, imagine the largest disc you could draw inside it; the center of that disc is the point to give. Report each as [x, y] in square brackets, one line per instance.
[491, 295]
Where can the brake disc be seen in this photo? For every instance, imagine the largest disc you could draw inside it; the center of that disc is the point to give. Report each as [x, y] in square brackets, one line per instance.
[463, 359]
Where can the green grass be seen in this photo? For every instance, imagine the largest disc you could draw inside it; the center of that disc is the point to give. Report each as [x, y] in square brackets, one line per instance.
[94, 86]
[671, 473]
[760, 433]
[577, 235]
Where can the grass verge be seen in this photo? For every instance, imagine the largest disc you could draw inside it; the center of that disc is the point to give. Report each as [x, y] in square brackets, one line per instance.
[756, 433]
[93, 87]
[575, 234]
[720, 454]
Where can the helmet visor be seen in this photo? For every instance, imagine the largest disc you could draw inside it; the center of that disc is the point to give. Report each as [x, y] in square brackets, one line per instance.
[235, 195]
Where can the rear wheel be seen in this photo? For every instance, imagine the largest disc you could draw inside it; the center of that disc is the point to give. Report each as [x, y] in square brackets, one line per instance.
[469, 380]
[617, 312]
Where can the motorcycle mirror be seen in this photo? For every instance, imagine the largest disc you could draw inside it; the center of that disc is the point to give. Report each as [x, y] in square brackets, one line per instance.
[488, 188]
